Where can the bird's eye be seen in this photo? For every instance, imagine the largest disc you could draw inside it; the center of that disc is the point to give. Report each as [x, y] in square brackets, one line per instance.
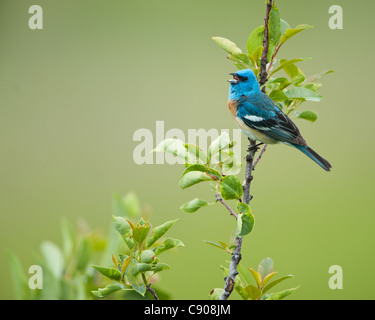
[242, 78]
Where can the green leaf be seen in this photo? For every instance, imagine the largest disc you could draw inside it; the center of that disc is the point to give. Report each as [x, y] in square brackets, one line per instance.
[141, 267]
[68, 239]
[158, 232]
[240, 66]
[274, 28]
[257, 277]
[313, 86]
[243, 62]
[130, 242]
[254, 292]
[141, 222]
[81, 290]
[243, 208]
[131, 205]
[233, 167]
[168, 244]
[244, 273]
[299, 79]
[280, 295]
[256, 57]
[197, 152]
[307, 115]
[131, 224]
[245, 220]
[123, 257]
[283, 26]
[193, 177]
[215, 175]
[319, 75]
[245, 58]
[255, 40]
[275, 282]
[127, 206]
[220, 143]
[140, 289]
[278, 95]
[231, 188]
[268, 277]
[125, 264]
[161, 267]
[265, 267]
[288, 65]
[292, 32]
[193, 205]
[53, 257]
[233, 58]
[105, 292]
[290, 69]
[217, 244]
[140, 233]
[110, 273]
[215, 294]
[282, 82]
[228, 46]
[20, 281]
[230, 164]
[175, 147]
[241, 290]
[303, 93]
[83, 254]
[123, 227]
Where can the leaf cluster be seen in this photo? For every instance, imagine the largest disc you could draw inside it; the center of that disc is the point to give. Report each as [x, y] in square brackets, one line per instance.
[226, 186]
[255, 285]
[66, 270]
[144, 243]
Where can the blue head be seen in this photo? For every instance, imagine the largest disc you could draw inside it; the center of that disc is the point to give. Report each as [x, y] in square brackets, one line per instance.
[244, 83]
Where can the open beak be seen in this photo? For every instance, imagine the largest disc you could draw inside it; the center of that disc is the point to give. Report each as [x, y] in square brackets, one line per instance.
[235, 79]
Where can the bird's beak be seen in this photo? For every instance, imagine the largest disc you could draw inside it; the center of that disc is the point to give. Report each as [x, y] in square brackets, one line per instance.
[235, 79]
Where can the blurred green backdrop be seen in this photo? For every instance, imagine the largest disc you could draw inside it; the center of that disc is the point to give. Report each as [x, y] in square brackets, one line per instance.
[73, 94]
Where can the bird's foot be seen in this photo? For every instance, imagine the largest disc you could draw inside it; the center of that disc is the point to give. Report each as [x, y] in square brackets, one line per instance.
[256, 147]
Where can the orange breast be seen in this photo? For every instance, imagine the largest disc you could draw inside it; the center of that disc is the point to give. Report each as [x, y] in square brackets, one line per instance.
[232, 105]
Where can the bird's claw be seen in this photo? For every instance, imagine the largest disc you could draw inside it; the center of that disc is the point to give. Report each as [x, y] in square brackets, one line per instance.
[252, 148]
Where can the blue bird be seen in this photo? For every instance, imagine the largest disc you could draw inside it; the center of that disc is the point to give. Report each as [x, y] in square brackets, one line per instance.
[260, 118]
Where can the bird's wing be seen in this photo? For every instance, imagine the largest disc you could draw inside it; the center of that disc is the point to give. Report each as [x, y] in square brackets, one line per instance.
[260, 112]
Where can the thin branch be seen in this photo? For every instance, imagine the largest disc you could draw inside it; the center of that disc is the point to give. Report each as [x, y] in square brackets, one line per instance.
[263, 61]
[236, 255]
[235, 260]
[221, 200]
[148, 287]
[259, 156]
[249, 171]
[152, 291]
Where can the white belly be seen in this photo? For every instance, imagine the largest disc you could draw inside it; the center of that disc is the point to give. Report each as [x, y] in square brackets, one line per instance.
[253, 134]
[257, 136]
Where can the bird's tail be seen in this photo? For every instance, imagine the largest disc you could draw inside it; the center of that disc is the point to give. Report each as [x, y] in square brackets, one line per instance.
[314, 156]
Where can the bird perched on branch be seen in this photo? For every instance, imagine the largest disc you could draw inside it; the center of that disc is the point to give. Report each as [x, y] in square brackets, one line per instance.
[261, 119]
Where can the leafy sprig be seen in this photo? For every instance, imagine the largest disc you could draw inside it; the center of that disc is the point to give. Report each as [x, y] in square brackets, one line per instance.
[255, 285]
[137, 265]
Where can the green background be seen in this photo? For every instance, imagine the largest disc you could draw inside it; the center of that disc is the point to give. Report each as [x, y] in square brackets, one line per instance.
[73, 94]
